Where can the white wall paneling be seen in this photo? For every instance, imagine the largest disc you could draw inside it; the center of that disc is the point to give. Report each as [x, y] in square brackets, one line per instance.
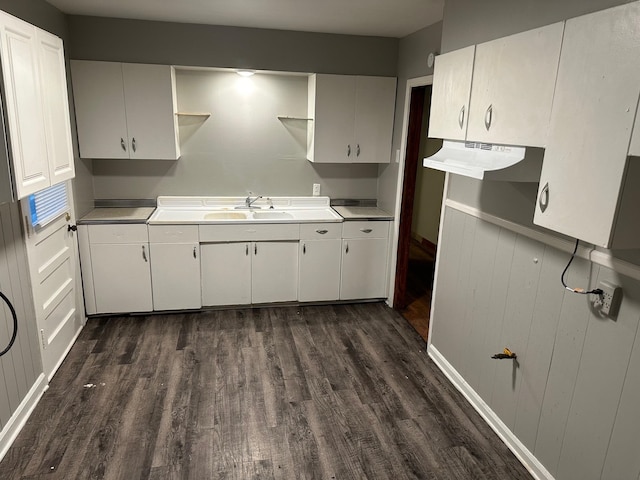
[566, 405]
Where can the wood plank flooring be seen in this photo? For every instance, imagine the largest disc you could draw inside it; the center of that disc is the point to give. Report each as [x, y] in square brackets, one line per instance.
[419, 288]
[326, 392]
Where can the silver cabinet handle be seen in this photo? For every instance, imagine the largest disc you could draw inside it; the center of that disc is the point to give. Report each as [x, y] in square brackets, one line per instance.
[133, 144]
[461, 117]
[255, 248]
[144, 253]
[366, 230]
[194, 252]
[543, 201]
[488, 117]
[246, 250]
[346, 250]
[322, 232]
[348, 150]
[358, 150]
[123, 145]
[304, 248]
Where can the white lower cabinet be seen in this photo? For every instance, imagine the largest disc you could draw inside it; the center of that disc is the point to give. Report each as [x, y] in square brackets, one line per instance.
[364, 260]
[238, 273]
[119, 266]
[320, 257]
[175, 267]
[274, 272]
[226, 273]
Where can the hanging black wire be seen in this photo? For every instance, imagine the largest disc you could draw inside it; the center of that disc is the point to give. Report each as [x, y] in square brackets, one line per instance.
[15, 324]
[581, 291]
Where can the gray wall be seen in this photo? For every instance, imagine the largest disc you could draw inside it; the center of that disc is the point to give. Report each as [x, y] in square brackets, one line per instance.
[206, 168]
[96, 38]
[412, 63]
[241, 147]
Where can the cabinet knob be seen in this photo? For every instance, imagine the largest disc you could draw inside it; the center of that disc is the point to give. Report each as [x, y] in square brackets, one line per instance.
[304, 248]
[144, 253]
[358, 150]
[488, 117]
[461, 117]
[348, 150]
[133, 144]
[255, 248]
[322, 232]
[194, 253]
[246, 250]
[123, 144]
[346, 250]
[543, 200]
[366, 230]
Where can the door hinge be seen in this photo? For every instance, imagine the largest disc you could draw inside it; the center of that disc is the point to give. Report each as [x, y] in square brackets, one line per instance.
[44, 343]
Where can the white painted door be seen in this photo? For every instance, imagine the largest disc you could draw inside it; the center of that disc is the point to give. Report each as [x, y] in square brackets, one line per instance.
[100, 109]
[452, 76]
[364, 268]
[274, 272]
[24, 109]
[53, 265]
[334, 119]
[53, 83]
[121, 277]
[513, 83]
[175, 275]
[150, 105]
[374, 112]
[319, 278]
[226, 273]
[597, 93]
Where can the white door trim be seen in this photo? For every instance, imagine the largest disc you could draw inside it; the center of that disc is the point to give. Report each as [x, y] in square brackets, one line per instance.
[411, 83]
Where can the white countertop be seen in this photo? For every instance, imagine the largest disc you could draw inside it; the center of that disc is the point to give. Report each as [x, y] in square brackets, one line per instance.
[117, 215]
[232, 210]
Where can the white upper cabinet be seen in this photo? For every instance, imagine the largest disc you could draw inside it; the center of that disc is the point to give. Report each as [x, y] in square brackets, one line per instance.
[24, 108]
[498, 92]
[585, 169]
[512, 91]
[352, 118]
[450, 95]
[55, 102]
[125, 110]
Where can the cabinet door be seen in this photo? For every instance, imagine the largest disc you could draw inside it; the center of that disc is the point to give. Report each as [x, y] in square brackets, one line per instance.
[512, 91]
[593, 113]
[100, 112]
[24, 105]
[274, 272]
[121, 277]
[374, 111]
[150, 108]
[333, 119]
[364, 268]
[451, 91]
[226, 273]
[319, 278]
[53, 82]
[175, 274]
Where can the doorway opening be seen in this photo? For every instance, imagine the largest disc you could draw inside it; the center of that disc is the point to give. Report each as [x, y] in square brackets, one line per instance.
[419, 219]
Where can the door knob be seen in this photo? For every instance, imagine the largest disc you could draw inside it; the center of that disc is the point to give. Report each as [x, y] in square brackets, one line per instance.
[72, 228]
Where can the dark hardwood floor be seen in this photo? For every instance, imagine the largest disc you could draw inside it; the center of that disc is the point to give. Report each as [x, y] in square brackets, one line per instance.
[326, 392]
[419, 288]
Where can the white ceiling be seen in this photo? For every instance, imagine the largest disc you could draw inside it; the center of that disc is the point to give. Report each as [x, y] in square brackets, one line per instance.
[387, 18]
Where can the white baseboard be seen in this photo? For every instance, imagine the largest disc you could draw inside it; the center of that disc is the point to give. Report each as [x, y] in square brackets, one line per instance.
[531, 463]
[22, 413]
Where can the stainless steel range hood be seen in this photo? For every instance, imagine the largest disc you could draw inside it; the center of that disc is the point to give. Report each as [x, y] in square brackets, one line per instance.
[485, 161]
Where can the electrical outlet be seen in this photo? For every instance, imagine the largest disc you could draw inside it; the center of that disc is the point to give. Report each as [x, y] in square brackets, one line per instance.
[316, 189]
[609, 301]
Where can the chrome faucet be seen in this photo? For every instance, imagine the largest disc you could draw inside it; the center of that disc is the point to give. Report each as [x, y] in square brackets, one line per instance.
[248, 202]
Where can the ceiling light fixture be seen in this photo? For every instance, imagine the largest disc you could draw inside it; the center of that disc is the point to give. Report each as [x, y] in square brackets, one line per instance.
[245, 73]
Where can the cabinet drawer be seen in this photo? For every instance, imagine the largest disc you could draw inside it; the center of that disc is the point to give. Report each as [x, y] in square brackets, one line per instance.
[173, 233]
[249, 232]
[365, 229]
[320, 231]
[118, 233]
